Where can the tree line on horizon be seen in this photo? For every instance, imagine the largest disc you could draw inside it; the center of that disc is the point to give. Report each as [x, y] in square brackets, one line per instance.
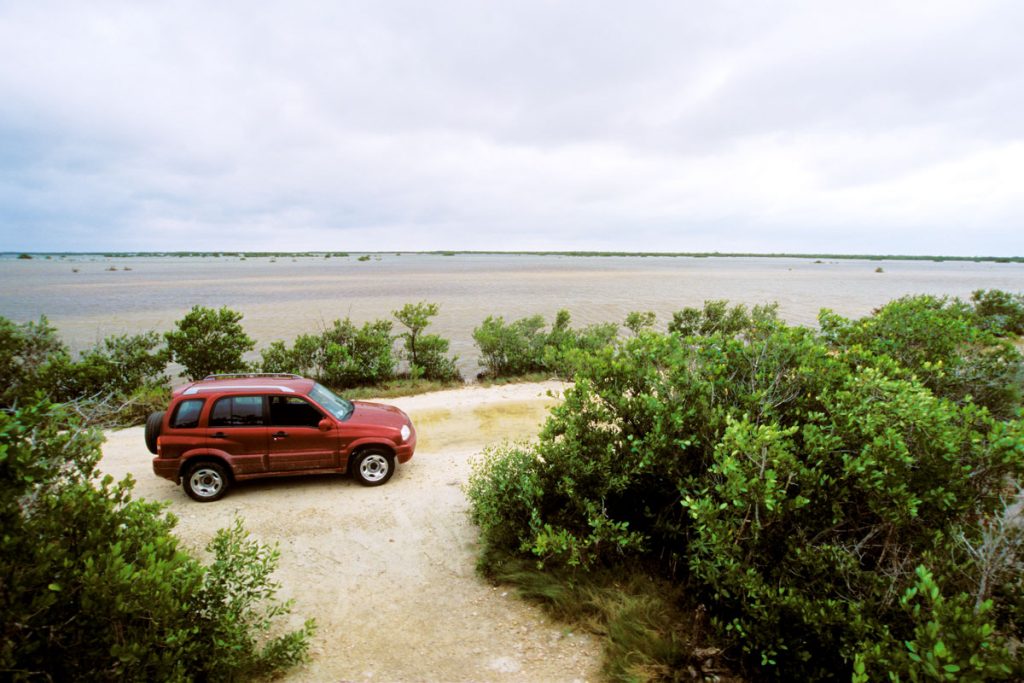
[581, 254]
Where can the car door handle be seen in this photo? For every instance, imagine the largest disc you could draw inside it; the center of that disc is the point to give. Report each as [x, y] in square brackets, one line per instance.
[280, 435]
[218, 435]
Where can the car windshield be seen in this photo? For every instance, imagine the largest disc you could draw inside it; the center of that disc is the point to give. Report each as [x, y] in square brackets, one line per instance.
[331, 402]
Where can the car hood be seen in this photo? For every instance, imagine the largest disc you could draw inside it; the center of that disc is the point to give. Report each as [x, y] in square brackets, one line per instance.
[377, 414]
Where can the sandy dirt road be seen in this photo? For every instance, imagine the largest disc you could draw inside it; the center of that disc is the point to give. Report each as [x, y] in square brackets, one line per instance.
[388, 572]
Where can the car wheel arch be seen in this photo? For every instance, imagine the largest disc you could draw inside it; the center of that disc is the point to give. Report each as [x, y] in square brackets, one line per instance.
[195, 457]
[368, 445]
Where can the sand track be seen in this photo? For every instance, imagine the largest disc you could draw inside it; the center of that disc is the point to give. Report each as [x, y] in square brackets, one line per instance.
[388, 573]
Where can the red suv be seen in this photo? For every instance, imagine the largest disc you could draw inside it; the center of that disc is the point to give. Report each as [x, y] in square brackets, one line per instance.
[226, 428]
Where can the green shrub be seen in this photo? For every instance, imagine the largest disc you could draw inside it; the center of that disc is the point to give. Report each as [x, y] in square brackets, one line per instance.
[26, 352]
[791, 481]
[119, 366]
[342, 356]
[522, 347]
[951, 640]
[427, 354]
[716, 317]
[936, 340]
[999, 311]
[304, 358]
[115, 383]
[563, 353]
[351, 356]
[96, 587]
[510, 349]
[506, 490]
[433, 362]
[279, 358]
[636, 321]
[209, 341]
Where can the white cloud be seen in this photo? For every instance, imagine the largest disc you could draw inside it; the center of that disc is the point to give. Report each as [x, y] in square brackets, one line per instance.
[794, 126]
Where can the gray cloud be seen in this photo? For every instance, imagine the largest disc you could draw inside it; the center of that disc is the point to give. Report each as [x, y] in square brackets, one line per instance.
[677, 126]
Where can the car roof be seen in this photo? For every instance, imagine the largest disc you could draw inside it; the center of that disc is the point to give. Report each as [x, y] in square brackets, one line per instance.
[247, 384]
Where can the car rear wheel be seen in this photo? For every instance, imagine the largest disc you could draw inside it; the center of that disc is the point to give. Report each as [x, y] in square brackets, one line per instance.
[373, 467]
[206, 482]
[153, 424]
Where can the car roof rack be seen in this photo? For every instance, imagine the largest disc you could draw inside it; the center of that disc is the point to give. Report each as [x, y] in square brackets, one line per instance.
[237, 375]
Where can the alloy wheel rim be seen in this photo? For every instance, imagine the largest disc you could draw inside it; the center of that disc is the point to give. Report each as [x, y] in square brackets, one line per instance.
[206, 482]
[374, 467]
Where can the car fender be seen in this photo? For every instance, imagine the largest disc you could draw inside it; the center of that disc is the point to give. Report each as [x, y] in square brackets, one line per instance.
[374, 441]
[207, 454]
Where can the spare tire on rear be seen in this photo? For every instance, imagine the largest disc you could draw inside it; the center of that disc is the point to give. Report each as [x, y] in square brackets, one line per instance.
[153, 424]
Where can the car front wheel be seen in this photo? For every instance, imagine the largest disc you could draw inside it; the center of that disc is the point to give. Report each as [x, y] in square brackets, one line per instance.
[373, 467]
[206, 482]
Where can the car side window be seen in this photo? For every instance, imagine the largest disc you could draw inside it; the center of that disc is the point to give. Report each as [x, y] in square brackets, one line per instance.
[291, 411]
[237, 411]
[186, 415]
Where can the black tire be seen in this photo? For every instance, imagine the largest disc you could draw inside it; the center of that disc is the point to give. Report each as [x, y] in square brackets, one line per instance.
[373, 467]
[206, 481]
[153, 425]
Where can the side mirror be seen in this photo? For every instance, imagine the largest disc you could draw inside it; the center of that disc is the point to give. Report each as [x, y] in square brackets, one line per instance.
[325, 425]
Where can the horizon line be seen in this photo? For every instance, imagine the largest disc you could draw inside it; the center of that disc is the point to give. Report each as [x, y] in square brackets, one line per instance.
[573, 253]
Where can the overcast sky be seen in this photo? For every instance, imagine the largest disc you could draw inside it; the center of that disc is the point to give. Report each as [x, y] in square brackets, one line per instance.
[842, 127]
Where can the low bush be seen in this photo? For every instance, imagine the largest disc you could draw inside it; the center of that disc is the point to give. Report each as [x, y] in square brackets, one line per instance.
[119, 367]
[115, 383]
[716, 316]
[637, 321]
[341, 356]
[999, 311]
[938, 341]
[523, 347]
[209, 341]
[96, 587]
[826, 505]
[427, 353]
[26, 352]
[510, 349]
[355, 356]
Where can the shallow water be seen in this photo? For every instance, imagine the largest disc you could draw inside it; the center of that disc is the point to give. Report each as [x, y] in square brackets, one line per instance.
[284, 297]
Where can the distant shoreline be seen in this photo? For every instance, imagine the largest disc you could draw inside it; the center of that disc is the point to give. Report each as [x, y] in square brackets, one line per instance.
[7, 255]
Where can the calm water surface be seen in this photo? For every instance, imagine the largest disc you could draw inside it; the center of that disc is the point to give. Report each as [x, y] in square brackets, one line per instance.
[286, 297]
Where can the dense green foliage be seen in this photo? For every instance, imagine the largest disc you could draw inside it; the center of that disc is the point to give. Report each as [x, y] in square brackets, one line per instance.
[209, 341]
[941, 342]
[122, 379]
[121, 365]
[640, 320]
[341, 356]
[94, 586]
[345, 356]
[523, 347]
[26, 351]
[718, 317]
[999, 311]
[426, 353]
[829, 498]
[117, 381]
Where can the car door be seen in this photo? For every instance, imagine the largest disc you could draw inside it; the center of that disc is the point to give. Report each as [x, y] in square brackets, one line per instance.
[296, 440]
[237, 426]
